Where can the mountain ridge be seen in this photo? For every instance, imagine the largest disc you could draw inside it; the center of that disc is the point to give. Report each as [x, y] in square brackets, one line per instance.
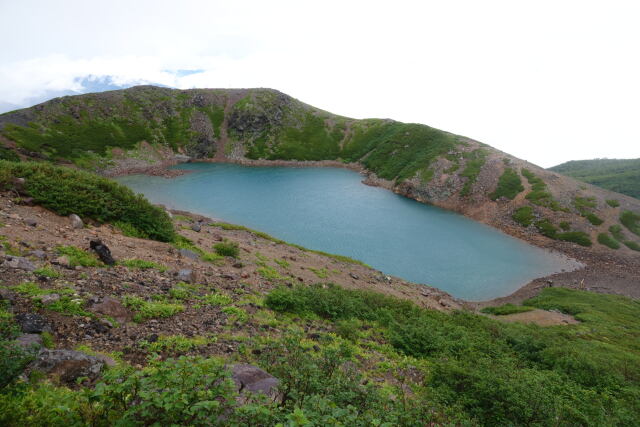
[144, 127]
[620, 175]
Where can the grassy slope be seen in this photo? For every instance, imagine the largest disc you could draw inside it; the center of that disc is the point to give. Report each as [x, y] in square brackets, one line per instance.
[620, 175]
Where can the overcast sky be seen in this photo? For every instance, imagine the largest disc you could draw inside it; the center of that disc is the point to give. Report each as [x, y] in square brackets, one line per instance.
[547, 81]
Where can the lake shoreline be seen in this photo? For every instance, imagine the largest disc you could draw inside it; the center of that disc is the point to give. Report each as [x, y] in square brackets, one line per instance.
[592, 272]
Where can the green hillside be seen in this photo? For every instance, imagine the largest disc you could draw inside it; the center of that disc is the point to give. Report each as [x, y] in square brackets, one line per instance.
[619, 175]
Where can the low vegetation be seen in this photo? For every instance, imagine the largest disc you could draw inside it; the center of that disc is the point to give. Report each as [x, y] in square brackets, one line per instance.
[509, 185]
[151, 309]
[607, 240]
[230, 249]
[539, 194]
[66, 191]
[141, 264]
[475, 161]
[524, 216]
[579, 237]
[79, 257]
[506, 309]
[631, 220]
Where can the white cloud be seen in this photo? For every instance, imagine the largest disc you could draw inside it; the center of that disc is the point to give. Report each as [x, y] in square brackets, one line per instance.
[546, 81]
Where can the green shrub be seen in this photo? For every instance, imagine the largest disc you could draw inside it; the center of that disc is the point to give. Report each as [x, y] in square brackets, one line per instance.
[565, 226]
[605, 239]
[229, 249]
[174, 344]
[509, 185]
[539, 194]
[66, 191]
[475, 161]
[578, 237]
[151, 310]
[235, 314]
[77, 256]
[47, 271]
[616, 232]
[632, 245]
[217, 299]
[546, 228]
[524, 216]
[141, 264]
[593, 218]
[506, 309]
[631, 221]
[613, 203]
[69, 306]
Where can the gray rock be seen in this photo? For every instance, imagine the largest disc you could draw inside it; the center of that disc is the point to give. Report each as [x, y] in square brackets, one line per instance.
[30, 341]
[188, 254]
[186, 275]
[113, 308]
[354, 276]
[18, 263]
[49, 298]
[7, 295]
[68, 365]
[63, 261]
[31, 323]
[249, 378]
[38, 254]
[31, 222]
[76, 222]
[196, 227]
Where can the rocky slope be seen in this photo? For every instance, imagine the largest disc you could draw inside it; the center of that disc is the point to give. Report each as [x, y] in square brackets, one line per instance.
[148, 127]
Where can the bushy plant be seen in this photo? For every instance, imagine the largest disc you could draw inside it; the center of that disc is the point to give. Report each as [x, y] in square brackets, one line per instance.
[78, 256]
[141, 264]
[506, 309]
[230, 249]
[579, 237]
[631, 220]
[509, 185]
[150, 310]
[524, 216]
[605, 239]
[66, 191]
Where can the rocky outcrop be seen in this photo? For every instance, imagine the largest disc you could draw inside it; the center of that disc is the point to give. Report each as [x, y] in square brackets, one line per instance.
[67, 365]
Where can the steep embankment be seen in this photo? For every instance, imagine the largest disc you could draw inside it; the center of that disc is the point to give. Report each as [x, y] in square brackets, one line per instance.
[620, 175]
[150, 127]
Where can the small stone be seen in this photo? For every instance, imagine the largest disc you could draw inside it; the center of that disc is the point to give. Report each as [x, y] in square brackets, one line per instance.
[113, 308]
[354, 276]
[63, 261]
[196, 227]
[38, 254]
[31, 222]
[188, 254]
[7, 295]
[76, 222]
[186, 275]
[49, 298]
[238, 265]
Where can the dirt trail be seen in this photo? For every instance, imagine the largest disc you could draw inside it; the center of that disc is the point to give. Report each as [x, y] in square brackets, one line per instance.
[223, 140]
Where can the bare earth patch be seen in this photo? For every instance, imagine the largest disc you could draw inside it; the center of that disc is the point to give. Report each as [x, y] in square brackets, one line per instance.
[539, 317]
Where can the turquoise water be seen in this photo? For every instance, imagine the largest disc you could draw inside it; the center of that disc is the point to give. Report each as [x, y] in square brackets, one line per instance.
[329, 209]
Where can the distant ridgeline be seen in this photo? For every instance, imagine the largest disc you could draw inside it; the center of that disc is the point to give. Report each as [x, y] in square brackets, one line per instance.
[145, 124]
[620, 175]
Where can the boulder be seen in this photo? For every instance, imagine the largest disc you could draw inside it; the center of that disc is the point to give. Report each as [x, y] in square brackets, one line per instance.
[113, 308]
[68, 365]
[196, 227]
[63, 261]
[76, 222]
[188, 254]
[30, 341]
[103, 252]
[7, 295]
[31, 222]
[18, 263]
[31, 323]
[249, 378]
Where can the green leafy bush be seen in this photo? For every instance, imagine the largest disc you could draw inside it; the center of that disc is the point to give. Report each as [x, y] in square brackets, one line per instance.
[506, 309]
[151, 310]
[66, 191]
[632, 245]
[616, 232]
[593, 218]
[613, 203]
[546, 228]
[47, 271]
[230, 249]
[475, 161]
[509, 185]
[524, 216]
[539, 194]
[78, 256]
[565, 226]
[631, 220]
[141, 264]
[578, 237]
[605, 239]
